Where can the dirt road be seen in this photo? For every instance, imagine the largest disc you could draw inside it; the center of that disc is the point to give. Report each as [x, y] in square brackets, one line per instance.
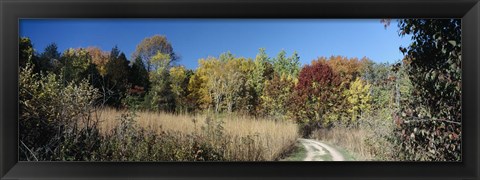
[318, 151]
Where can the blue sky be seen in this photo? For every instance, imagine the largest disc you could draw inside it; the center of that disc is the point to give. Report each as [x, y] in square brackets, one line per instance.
[193, 39]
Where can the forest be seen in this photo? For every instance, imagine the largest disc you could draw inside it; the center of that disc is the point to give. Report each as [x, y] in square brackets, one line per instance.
[89, 104]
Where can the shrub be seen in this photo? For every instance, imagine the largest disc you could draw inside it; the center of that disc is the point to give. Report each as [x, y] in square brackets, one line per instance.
[53, 115]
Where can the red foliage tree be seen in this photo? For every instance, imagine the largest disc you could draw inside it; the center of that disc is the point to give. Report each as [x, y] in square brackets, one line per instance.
[315, 96]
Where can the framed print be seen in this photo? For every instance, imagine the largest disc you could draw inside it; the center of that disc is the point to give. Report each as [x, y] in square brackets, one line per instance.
[239, 89]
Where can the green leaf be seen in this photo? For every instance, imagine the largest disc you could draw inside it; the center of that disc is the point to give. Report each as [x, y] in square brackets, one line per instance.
[433, 76]
[454, 43]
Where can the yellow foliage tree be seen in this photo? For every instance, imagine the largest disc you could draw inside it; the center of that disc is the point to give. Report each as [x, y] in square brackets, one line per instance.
[220, 82]
[358, 99]
[178, 75]
[235, 81]
[198, 87]
[276, 96]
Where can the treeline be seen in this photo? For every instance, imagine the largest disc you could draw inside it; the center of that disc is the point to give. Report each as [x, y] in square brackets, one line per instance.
[334, 89]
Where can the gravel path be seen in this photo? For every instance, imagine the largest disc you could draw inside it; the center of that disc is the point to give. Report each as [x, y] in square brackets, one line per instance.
[318, 151]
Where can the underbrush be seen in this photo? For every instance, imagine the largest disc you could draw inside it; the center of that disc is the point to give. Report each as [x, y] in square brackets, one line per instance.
[130, 140]
[60, 121]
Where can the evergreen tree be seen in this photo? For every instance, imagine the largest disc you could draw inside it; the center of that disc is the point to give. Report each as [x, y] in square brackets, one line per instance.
[49, 59]
[138, 74]
[117, 70]
[26, 52]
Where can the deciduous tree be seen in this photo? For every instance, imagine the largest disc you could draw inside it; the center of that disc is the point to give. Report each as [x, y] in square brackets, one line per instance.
[180, 77]
[150, 46]
[288, 66]
[358, 99]
[160, 96]
[76, 63]
[256, 79]
[316, 96]
[100, 58]
[433, 117]
[275, 99]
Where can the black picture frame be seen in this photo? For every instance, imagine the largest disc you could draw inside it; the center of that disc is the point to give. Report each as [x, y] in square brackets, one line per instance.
[11, 11]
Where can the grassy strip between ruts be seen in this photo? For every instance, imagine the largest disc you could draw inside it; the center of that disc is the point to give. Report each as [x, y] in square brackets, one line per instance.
[299, 153]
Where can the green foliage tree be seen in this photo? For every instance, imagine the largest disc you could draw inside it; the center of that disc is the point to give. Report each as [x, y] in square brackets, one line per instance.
[76, 62]
[294, 64]
[256, 79]
[288, 66]
[383, 81]
[258, 75]
[430, 124]
[160, 96]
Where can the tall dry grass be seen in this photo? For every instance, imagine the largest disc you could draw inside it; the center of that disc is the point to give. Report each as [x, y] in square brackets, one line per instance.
[244, 136]
[365, 143]
[353, 140]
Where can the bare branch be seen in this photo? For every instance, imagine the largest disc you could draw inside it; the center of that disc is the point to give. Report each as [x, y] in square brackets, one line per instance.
[29, 150]
[429, 120]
